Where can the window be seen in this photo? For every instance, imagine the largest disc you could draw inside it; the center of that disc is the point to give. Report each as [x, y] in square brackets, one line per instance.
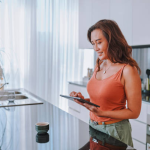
[88, 61]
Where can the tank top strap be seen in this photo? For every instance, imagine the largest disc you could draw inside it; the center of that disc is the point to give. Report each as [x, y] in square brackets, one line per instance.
[119, 74]
[96, 69]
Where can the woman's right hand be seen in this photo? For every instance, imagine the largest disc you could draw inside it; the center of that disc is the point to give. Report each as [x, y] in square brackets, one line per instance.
[77, 94]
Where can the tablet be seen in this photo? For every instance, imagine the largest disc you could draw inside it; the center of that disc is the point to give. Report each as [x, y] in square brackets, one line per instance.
[79, 99]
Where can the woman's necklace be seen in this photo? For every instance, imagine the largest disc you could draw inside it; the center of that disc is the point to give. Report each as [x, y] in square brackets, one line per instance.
[106, 69]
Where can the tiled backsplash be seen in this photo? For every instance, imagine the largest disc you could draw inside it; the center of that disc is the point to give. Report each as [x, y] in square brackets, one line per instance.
[142, 57]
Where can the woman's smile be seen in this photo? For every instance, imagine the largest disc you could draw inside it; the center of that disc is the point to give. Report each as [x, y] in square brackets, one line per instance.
[100, 53]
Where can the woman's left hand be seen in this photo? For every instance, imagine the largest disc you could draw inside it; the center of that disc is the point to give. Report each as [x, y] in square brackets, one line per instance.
[91, 108]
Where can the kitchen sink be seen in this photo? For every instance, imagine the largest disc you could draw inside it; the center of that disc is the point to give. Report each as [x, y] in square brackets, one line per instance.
[21, 97]
[6, 92]
[17, 97]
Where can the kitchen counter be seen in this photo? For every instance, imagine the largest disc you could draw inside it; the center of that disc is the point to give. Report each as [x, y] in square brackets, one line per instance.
[17, 130]
[79, 83]
[22, 98]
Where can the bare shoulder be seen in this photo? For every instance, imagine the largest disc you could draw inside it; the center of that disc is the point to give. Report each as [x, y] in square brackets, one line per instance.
[130, 72]
[128, 69]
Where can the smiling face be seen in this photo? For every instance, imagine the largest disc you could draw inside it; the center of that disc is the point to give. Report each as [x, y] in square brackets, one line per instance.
[100, 43]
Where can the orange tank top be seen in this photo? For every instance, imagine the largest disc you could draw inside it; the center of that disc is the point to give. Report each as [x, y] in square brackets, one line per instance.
[108, 93]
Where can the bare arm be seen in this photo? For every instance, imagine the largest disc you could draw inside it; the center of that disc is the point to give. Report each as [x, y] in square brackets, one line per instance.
[133, 95]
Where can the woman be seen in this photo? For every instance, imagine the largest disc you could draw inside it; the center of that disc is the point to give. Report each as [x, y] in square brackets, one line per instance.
[115, 80]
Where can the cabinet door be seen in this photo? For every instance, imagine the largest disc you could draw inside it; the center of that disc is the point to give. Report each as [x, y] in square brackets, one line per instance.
[73, 107]
[84, 23]
[148, 114]
[100, 10]
[141, 22]
[143, 117]
[84, 112]
[89, 13]
[138, 130]
[143, 114]
[121, 12]
[76, 109]
[139, 146]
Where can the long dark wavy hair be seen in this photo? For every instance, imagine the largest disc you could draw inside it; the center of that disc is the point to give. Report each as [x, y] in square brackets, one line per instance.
[118, 49]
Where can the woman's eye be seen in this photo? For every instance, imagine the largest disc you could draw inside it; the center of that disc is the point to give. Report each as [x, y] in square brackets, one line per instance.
[99, 42]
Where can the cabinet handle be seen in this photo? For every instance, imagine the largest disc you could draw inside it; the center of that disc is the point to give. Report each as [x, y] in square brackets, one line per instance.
[75, 110]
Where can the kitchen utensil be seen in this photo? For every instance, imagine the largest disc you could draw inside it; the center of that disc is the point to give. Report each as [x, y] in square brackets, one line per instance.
[148, 73]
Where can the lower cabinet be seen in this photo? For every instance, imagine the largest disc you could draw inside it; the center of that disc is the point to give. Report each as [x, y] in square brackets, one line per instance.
[139, 146]
[75, 109]
[139, 134]
[139, 130]
[85, 114]
[143, 114]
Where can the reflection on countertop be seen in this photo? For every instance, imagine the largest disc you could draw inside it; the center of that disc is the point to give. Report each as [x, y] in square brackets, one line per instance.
[17, 130]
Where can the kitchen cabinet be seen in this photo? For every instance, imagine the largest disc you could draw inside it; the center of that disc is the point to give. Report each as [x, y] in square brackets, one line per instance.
[132, 16]
[84, 23]
[75, 109]
[89, 13]
[99, 10]
[120, 11]
[140, 127]
[141, 22]
[148, 115]
[139, 130]
[85, 114]
[143, 114]
[139, 146]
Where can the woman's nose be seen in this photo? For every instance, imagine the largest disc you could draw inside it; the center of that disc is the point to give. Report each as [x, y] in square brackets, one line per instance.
[96, 48]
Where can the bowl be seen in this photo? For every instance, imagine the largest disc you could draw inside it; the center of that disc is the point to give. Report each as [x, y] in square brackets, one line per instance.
[42, 138]
[42, 127]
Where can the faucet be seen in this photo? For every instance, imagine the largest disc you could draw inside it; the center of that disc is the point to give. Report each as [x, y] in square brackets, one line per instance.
[3, 85]
[2, 74]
